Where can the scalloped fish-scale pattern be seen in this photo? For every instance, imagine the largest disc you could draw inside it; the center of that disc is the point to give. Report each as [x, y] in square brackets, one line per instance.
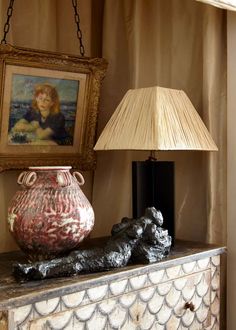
[97, 293]
[73, 299]
[215, 293]
[147, 294]
[118, 287]
[189, 267]
[143, 302]
[47, 306]
[138, 282]
[203, 263]
[110, 289]
[202, 314]
[164, 288]
[172, 297]
[95, 323]
[173, 272]
[215, 279]
[155, 307]
[157, 277]
[215, 261]
[164, 314]
[128, 300]
[180, 283]
[194, 266]
[187, 318]
[107, 306]
[22, 313]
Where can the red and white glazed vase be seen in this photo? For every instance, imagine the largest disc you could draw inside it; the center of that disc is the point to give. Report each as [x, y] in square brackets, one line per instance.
[50, 215]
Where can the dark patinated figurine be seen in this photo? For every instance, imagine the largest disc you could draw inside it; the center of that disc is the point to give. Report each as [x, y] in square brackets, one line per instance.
[132, 240]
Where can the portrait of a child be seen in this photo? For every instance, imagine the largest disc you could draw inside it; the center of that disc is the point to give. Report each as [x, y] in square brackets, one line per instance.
[44, 118]
[42, 110]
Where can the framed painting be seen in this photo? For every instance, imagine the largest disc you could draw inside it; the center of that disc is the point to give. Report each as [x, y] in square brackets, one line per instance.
[48, 108]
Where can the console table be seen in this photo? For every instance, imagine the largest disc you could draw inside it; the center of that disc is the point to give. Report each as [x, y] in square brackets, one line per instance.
[180, 292]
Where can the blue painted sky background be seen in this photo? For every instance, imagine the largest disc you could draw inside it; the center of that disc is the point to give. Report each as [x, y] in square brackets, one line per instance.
[23, 87]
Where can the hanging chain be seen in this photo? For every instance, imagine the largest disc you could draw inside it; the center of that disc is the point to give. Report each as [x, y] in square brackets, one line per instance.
[76, 16]
[77, 22]
[7, 24]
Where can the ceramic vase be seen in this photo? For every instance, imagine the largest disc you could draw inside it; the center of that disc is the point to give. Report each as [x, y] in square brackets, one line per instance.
[50, 215]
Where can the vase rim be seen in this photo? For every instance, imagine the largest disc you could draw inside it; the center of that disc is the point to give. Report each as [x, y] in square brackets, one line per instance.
[51, 168]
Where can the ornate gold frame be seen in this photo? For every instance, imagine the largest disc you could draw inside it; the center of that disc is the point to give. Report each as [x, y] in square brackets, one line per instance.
[92, 70]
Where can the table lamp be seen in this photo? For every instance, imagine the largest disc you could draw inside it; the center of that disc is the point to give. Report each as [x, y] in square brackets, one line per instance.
[224, 4]
[155, 118]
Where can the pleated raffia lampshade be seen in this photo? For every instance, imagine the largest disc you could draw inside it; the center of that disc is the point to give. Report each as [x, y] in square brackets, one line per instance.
[155, 118]
[224, 4]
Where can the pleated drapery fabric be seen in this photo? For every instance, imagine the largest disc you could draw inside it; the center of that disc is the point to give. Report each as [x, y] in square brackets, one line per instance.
[174, 44]
[215, 115]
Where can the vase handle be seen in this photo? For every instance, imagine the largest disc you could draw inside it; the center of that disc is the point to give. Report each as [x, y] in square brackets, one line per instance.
[29, 179]
[79, 177]
[21, 177]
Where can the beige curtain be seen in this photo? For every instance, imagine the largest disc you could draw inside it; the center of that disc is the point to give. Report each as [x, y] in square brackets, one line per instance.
[176, 44]
[215, 116]
[47, 24]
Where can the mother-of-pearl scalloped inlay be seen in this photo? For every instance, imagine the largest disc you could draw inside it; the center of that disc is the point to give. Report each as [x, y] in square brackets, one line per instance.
[134, 302]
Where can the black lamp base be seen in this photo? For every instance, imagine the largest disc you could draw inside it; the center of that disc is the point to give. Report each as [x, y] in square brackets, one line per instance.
[153, 185]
